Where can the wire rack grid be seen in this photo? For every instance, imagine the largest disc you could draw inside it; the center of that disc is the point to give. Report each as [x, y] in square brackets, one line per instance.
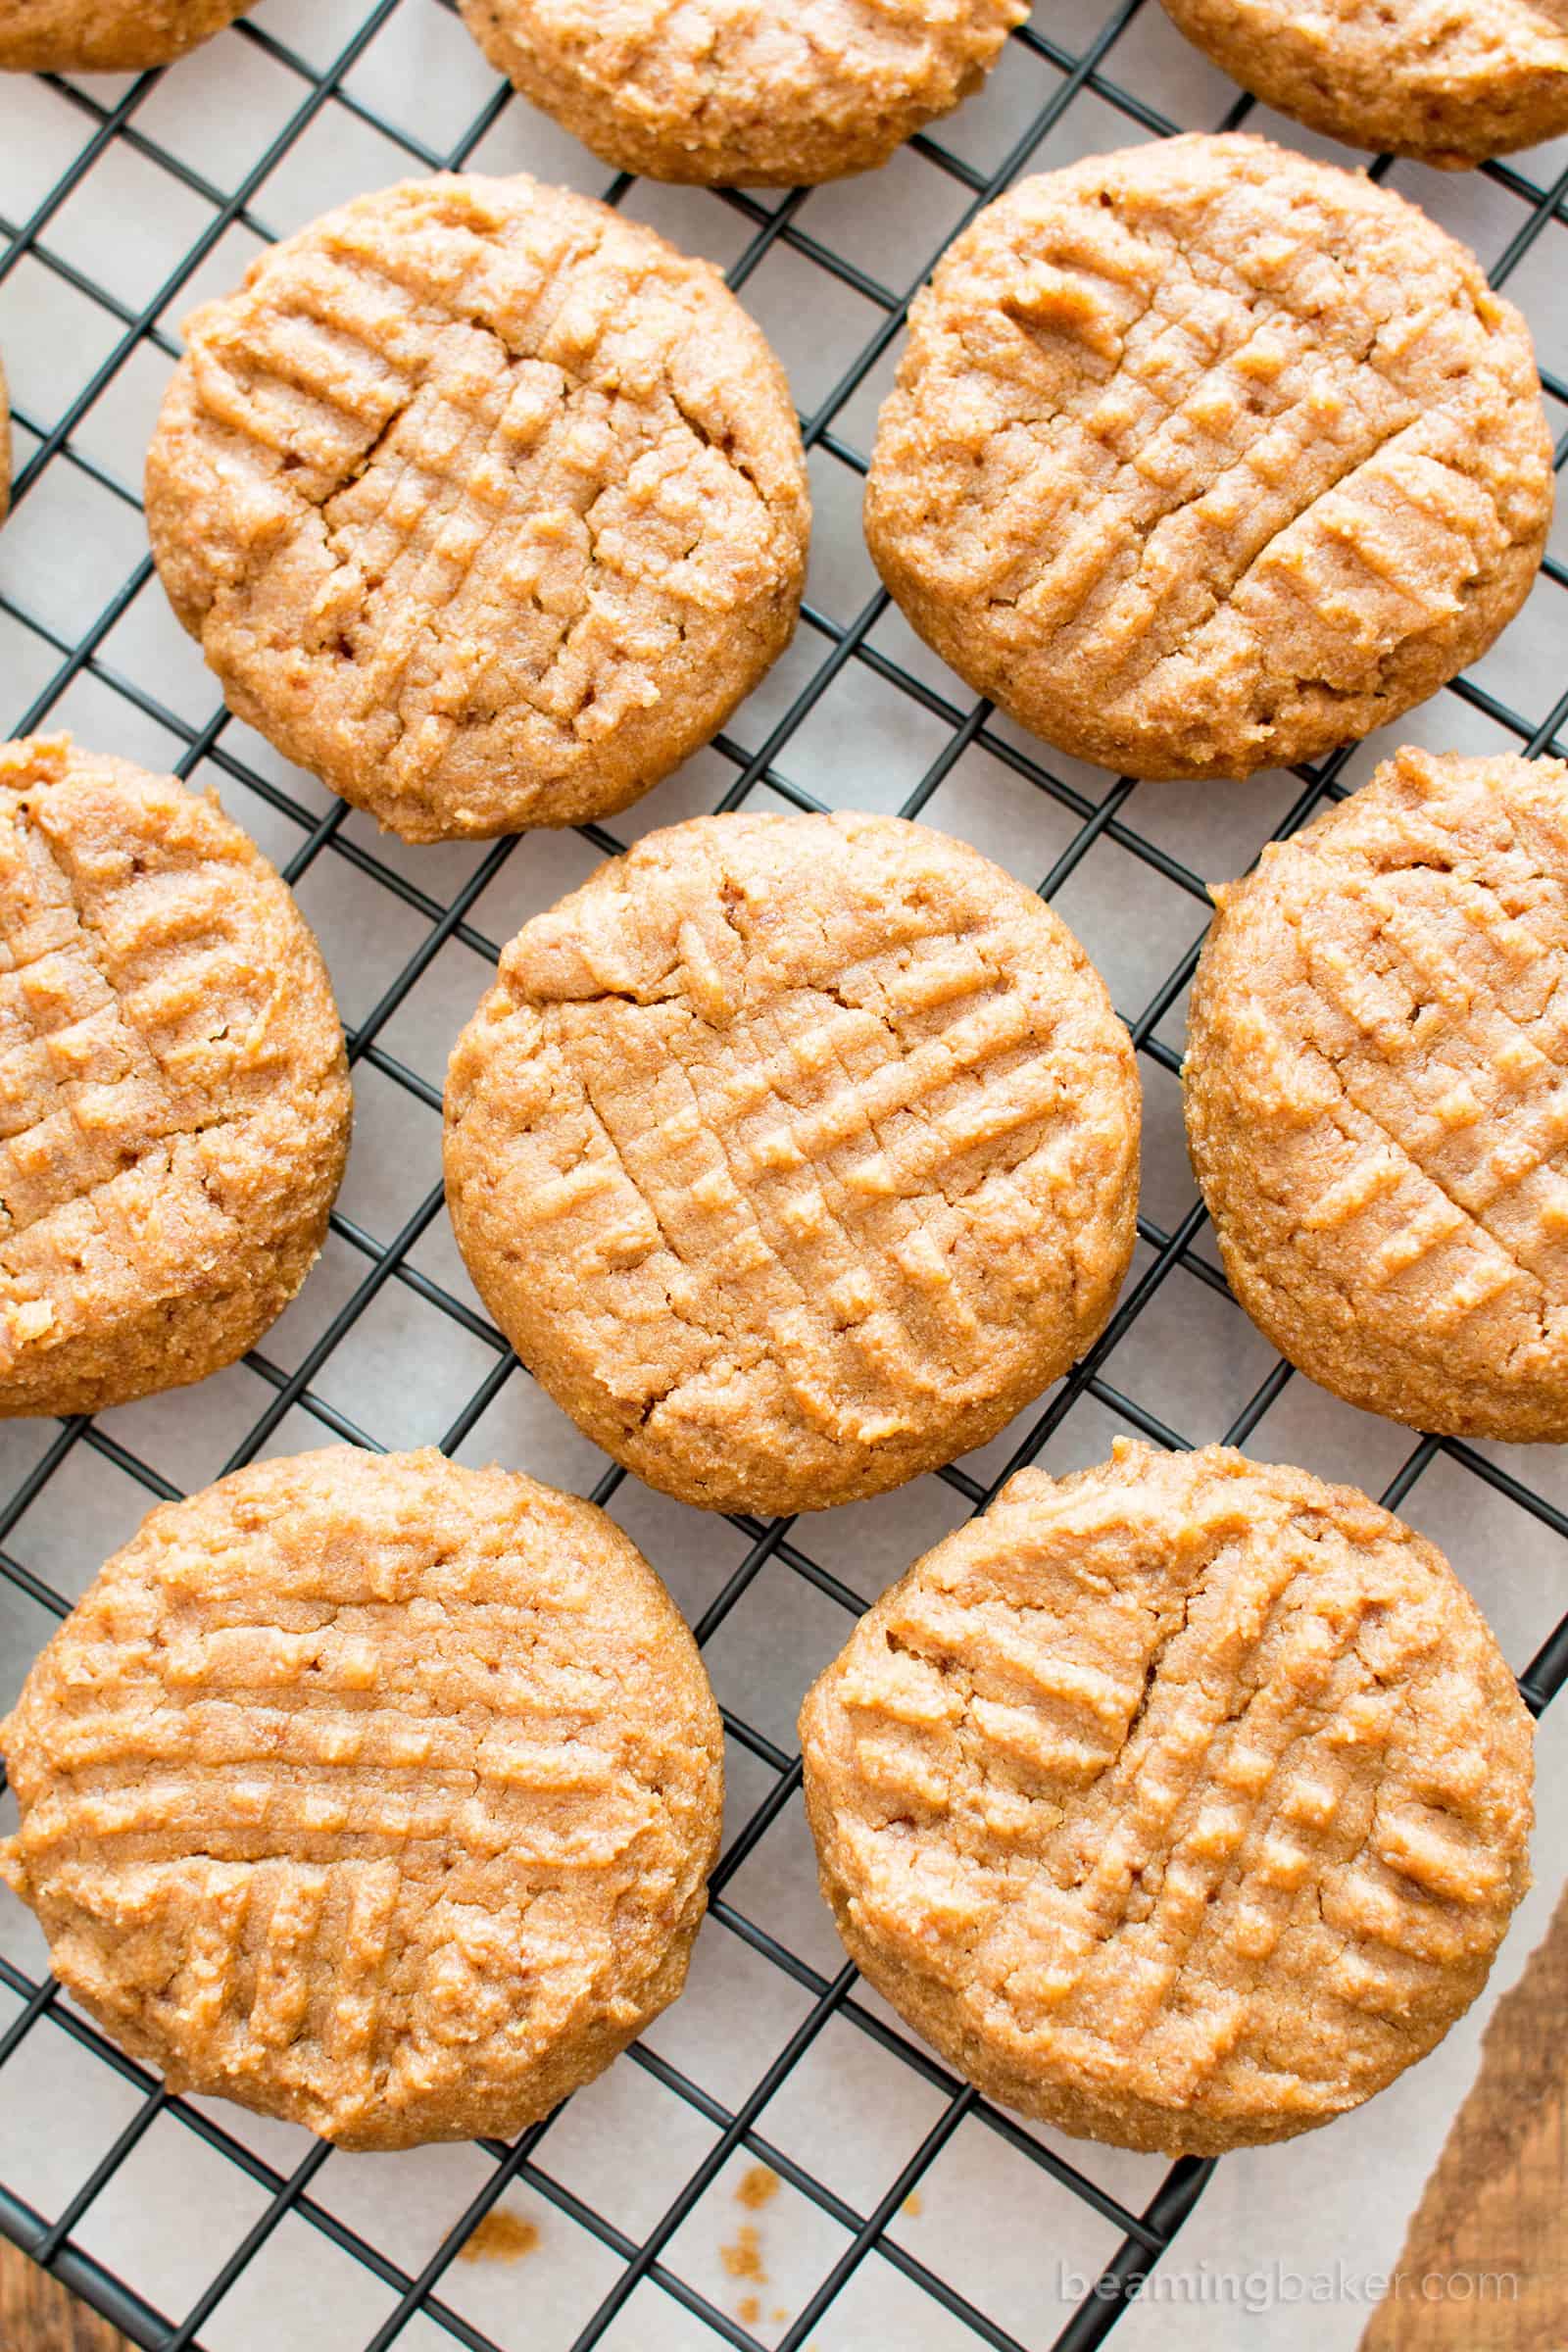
[390, 1346]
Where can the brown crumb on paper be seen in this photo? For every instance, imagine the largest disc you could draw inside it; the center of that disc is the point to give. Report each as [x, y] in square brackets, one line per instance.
[502, 2236]
[744, 2259]
[748, 2311]
[914, 2205]
[757, 2187]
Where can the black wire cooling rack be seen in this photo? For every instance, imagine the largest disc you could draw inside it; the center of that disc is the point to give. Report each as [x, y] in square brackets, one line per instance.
[1097, 72]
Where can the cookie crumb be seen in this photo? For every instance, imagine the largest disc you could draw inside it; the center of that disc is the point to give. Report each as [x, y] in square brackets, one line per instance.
[914, 2205]
[757, 2187]
[744, 2259]
[502, 2236]
[748, 2311]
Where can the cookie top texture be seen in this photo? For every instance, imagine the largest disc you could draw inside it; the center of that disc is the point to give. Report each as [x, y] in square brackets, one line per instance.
[373, 1792]
[1181, 1803]
[106, 37]
[1376, 1103]
[763, 92]
[484, 503]
[795, 1155]
[1450, 82]
[1205, 458]
[174, 1099]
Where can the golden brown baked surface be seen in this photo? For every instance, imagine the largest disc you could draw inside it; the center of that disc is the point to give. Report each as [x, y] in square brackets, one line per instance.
[371, 1792]
[764, 92]
[1182, 1804]
[1205, 458]
[793, 1154]
[1451, 81]
[174, 1099]
[1376, 1103]
[106, 37]
[484, 503]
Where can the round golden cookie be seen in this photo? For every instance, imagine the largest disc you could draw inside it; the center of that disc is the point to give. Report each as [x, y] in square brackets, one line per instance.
[484, 503]
[174, 1099]
[371, 1792]
[106, 37]
[769, 93]
[1181, 1803]
[793, 1154]
[1376, 1105]
[1205, 458]
[1451, 81]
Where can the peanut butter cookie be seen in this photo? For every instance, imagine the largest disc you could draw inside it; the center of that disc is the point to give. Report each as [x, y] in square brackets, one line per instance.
[371, 1792]
[485, 504]
[1205, 458]
[106, 37]
[793, 1154]
[1450, 82]
[1376, 1101]
[767, 92]
[1182, 1804]
[173, 1095]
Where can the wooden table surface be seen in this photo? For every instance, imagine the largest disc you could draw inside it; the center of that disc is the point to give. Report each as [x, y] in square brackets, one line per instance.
[1489, 2240]
[36, 2315]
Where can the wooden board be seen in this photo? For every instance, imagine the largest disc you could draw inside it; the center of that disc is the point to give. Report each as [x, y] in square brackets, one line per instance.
[1484, 2263]
[37, 2315]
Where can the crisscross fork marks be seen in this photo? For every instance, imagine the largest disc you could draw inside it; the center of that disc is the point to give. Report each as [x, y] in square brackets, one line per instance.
[1167, 1865]
[173, 1100]
[1181, 1837]
[450, 467]
[373, 1792]
[1182, 1801]
[1424, 1043]
[118, 986]
[1206, 395]
[80, 1083]
[814, 1138]
[485, 504]
[1205, 458]
[1377, 1093]
[797, 1143]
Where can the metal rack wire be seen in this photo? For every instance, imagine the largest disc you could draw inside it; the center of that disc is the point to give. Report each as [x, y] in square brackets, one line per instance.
[781, 1547]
